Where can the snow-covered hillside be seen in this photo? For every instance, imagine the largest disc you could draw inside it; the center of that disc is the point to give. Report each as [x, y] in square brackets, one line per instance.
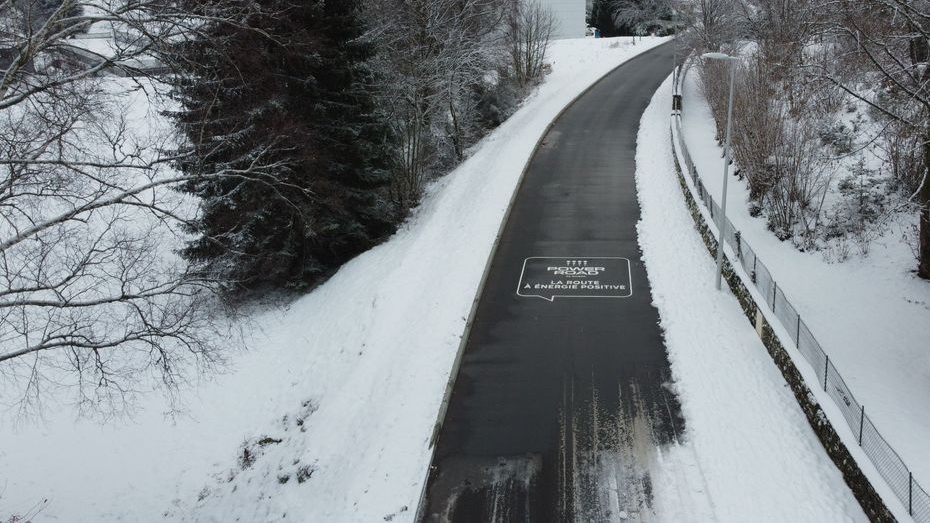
[327, 416]
[869, 313]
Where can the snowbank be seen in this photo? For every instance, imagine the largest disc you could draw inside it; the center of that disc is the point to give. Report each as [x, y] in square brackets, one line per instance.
[755, 450]
[327, 417]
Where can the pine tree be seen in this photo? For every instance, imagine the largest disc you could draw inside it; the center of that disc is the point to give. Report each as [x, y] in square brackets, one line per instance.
[279, 116]
[602, 17]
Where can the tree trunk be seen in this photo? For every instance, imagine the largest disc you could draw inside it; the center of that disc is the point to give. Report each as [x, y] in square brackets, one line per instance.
[457, 138]
[923, 268]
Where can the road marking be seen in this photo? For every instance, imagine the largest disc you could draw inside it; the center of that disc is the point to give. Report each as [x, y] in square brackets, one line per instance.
[548, 277]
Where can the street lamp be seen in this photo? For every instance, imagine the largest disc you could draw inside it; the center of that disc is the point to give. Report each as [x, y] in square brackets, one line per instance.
[726, 162]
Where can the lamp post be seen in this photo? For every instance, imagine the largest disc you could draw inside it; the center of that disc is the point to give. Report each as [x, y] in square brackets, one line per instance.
[722, 226]
[675, 52]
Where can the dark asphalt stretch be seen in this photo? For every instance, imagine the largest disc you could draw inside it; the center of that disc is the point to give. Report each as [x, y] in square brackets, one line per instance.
[562, 396]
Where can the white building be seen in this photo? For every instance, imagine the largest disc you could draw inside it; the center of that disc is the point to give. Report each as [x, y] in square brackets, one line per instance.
[569, 17]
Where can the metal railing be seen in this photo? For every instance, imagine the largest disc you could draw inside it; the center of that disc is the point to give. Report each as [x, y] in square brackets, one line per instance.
[892, 468]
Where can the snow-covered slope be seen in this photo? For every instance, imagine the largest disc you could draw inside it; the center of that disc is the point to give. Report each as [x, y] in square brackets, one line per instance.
[327, 416]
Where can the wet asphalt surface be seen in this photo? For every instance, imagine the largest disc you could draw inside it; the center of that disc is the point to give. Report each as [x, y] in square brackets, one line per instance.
[562, 398]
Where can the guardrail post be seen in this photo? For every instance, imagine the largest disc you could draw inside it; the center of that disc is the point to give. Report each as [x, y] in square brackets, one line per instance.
[861, 423]
[797, 336]
[910, 493]
[774, 292]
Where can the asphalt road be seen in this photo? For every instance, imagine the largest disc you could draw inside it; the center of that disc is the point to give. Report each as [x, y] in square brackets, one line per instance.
[562, 396]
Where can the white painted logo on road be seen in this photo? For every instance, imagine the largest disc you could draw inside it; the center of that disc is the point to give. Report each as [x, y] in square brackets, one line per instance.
[575, 277]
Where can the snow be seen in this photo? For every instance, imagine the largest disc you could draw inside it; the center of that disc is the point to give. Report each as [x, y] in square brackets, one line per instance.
[755, 450]
[338, 393]
[869, 313]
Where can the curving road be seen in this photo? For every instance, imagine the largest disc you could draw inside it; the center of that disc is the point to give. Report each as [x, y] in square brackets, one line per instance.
[562, 401]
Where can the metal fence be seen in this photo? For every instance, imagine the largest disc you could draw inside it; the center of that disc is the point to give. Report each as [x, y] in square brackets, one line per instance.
[886, 460]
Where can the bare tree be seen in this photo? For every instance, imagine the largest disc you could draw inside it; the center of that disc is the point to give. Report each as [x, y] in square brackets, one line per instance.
[903, 153]
[716, 22]
[809, 56]
[775, 140]
[434, 56]
[888, 39]
[758, 126]
[529, 30]
[801, 176]
[92, 298]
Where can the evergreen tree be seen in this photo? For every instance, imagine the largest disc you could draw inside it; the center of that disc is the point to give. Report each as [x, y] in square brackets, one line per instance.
[291, 161]
[602, 17]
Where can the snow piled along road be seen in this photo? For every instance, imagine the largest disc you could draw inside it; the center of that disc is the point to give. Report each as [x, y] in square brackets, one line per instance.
[758, 456]
[327, 417]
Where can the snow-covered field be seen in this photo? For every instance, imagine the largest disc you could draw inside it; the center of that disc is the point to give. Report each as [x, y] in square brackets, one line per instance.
[327, 416]
[759, 459]
[871, 314]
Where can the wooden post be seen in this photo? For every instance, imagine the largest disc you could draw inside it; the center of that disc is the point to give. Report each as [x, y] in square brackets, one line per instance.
[826, 370]
[861, 423]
